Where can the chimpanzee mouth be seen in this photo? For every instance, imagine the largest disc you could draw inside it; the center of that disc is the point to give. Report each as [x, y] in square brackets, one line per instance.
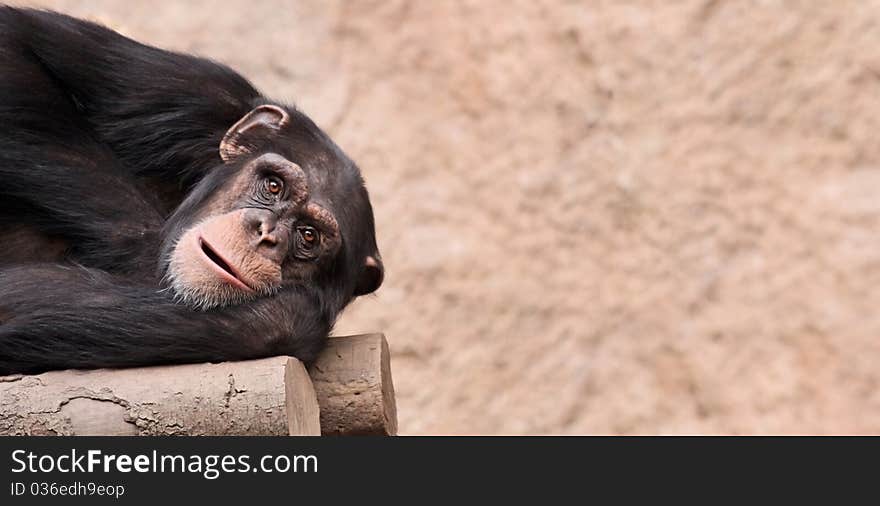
[222, 267]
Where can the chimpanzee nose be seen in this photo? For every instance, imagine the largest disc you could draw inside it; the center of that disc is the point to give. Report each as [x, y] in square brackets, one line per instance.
[264, 235]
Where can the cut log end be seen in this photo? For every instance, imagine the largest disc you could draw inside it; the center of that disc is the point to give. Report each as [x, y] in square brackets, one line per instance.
[301, 402]
[352, 379]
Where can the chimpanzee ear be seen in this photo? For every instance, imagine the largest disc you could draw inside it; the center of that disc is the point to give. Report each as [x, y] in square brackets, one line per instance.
[371, 276]
[251, 129]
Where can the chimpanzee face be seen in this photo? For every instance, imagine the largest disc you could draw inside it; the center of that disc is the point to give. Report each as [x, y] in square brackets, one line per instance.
[287, 208]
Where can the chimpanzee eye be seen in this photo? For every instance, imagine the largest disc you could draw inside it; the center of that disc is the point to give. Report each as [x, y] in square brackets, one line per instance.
[273, 185]
[309, 236]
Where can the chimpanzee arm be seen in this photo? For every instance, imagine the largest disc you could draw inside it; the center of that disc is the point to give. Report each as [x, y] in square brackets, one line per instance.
[56, 175]
[54, 317]
[76, 195]
[160, 112]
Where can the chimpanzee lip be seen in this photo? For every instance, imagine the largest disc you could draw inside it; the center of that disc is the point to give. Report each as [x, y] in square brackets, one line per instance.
[221, 266]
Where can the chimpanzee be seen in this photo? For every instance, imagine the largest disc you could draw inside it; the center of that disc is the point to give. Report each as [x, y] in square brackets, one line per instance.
[156, 208]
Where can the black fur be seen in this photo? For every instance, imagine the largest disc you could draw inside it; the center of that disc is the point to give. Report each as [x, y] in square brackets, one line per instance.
[108, 148]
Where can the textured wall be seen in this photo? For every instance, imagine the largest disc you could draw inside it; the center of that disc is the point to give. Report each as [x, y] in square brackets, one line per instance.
[597, 217]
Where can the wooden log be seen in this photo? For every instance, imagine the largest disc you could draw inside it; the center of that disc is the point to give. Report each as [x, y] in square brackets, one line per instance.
[272, 396]
[352, 379]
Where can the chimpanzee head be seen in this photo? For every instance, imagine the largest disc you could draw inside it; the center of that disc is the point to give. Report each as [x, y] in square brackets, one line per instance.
[287, 209]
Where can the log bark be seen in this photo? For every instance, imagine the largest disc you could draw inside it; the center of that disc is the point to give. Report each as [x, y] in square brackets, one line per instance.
[271, 396]
[352, 379]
